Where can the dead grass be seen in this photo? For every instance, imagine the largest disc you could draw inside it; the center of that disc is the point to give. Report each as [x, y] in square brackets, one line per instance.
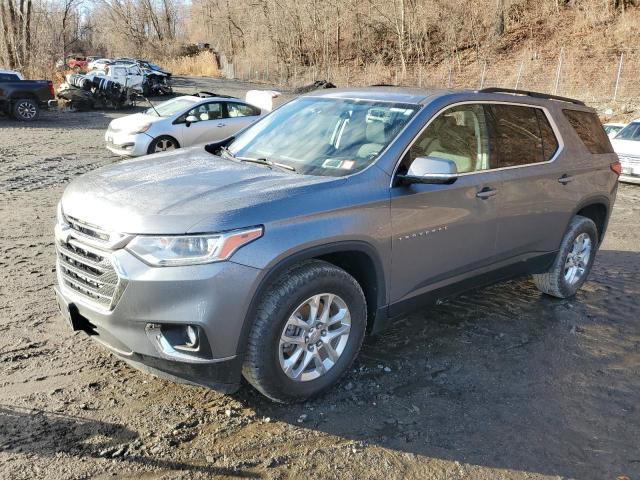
[201, 65]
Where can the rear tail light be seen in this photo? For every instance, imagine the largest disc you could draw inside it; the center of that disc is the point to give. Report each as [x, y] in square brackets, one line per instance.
[51, 90]
[616, 168]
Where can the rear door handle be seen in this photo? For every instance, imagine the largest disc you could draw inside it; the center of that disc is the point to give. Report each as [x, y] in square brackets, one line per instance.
[564, 179]
[486, 193]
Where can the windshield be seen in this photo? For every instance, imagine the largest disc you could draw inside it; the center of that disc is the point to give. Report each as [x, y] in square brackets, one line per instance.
[630, 132]
[171, 107]
[324, 136]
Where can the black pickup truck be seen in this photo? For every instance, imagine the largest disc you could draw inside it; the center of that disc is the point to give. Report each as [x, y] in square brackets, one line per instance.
[23, 99]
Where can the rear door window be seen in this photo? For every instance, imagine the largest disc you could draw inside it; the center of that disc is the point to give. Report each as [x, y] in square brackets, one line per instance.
[241, 110]
[549, 140]
[588, 127]
[517, 135]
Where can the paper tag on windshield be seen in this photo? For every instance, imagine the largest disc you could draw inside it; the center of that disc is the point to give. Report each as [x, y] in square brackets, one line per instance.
[337, 163]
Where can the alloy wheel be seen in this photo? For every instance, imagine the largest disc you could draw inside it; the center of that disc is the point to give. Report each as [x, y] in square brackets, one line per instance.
[163, 145]
[577, 259]
[26, 110]
[314, 337]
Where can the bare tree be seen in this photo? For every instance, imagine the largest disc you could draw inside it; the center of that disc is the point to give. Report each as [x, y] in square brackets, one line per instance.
[16, 29]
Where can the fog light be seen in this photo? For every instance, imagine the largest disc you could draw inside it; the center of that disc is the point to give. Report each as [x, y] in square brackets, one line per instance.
[192, 337]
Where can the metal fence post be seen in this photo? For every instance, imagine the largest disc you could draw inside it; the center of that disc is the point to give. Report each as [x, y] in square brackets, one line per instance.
[555, 89]
[519, 75]
[484, 71]
[615, 91]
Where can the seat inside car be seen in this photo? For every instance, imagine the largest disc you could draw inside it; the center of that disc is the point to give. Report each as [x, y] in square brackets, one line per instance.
[376, 136]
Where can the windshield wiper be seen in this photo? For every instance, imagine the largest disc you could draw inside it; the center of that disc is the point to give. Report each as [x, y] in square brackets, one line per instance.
[227, 151]
[268, 163]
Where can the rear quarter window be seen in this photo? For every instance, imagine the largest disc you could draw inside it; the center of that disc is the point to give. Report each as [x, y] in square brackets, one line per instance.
[9, 77]
[588, 127]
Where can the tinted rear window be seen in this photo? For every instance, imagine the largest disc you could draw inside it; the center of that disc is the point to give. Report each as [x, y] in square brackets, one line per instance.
[588, 127]
[8, 77]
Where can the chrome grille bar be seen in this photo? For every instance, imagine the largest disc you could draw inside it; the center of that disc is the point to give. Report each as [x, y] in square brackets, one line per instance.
[84, 263]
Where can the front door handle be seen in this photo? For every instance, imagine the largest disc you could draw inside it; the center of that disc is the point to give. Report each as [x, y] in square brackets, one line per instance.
[220, 125]
[486, 193]
[564, 179]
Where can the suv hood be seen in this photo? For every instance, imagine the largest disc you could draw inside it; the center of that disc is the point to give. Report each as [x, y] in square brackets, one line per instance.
[626, 147]
[171, 193]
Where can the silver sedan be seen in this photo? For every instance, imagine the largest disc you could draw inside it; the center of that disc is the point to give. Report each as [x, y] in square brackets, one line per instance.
[179, 122]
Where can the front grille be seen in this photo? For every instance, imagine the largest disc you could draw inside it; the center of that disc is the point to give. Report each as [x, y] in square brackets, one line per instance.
[87, 270]
[86, 229]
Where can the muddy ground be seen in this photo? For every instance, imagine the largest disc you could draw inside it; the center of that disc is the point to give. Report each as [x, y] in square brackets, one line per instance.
[500, 383]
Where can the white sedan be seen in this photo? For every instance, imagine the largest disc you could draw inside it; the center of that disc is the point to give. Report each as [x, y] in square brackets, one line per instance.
[181, 122]
[627, 145]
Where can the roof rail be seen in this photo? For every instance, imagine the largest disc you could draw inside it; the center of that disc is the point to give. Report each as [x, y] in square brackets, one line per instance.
[529, 94]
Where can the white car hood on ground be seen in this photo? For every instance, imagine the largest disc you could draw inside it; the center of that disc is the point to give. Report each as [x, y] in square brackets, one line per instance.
[131, 122]
[626, 147]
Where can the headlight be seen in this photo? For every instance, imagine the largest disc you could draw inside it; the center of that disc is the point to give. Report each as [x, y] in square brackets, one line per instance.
[166, 251]
[141, 128]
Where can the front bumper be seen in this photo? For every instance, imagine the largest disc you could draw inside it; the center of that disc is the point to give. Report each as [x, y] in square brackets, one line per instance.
[213, 297]
[627, 178]
[630, 165]
[126, 144]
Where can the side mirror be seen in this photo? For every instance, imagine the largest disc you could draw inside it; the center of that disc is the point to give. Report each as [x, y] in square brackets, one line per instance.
[191, 119]
[431, 170]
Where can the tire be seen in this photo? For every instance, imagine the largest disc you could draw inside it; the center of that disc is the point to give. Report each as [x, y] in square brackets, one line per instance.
[555, 282]
[25, 110]
[263, 367]
[169, 143]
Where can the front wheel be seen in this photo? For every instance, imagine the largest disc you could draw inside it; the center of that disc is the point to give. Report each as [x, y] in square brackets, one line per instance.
[163, 144]
[573, 262]
[309, 329]
[26, 110]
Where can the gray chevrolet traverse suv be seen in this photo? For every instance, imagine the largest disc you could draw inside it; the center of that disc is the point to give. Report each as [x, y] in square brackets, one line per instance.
[270, 255]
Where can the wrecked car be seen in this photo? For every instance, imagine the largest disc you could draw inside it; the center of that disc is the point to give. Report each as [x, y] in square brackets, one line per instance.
[185, 121]
[114, 86]
[85, 92]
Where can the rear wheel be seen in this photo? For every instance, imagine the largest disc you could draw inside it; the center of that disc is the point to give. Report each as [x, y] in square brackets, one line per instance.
[308, 330]
[26, 110]
[573, 262]
[163, 144]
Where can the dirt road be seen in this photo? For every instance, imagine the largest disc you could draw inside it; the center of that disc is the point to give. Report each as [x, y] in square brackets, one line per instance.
[500, 383]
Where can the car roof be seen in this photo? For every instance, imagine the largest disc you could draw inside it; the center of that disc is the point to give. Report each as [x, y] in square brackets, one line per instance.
[424, 96]
[376, 93]
[212, 98]
[616, 124]
[13, 72]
